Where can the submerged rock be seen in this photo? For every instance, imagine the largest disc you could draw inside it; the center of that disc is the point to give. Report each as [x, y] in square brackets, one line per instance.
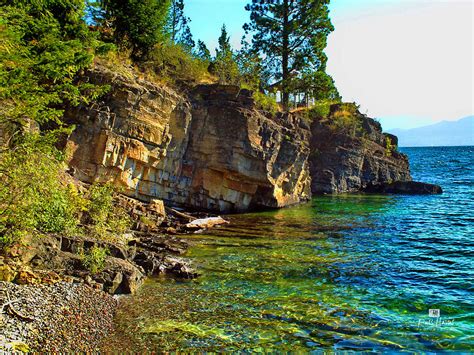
[405, 187]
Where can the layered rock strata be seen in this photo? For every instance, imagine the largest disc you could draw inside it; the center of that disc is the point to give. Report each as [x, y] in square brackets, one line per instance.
[212, 150]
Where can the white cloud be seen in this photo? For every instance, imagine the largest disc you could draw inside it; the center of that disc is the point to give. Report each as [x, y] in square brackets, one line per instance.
[413, 58]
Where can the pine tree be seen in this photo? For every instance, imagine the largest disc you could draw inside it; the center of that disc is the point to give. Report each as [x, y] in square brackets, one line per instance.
[291, 36]
[137, 24]
[202, 52]
[225, 66]
[178, 25]
[44, 47]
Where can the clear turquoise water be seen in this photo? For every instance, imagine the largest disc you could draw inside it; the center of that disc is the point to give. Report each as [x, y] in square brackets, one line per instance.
[348, 272]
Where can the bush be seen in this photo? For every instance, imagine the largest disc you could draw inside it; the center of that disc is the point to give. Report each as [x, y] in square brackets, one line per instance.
[94, 259]
[346, 119]
[33, 195]
[265, 102]
[389, 147]
[172, 62]
[36, 198]
[106, 219]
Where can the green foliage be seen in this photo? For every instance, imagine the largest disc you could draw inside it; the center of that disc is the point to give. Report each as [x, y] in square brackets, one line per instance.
[175, 63]
[265, 102]
[43, 46]
[178, 25]
[94, 259]
[252, 69]
[320, 110]
[137, 25]
[32, 195]
[291, 37]
[317, 85]
[389, 147]
[346, 119]
[225, 66]
[106, 219]
[202, 52]
[36, 198]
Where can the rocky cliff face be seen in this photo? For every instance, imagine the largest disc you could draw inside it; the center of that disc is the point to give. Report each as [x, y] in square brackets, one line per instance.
[212, 150]
[354, 154]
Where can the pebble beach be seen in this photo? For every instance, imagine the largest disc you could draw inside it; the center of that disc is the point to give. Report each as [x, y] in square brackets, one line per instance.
[62, 317]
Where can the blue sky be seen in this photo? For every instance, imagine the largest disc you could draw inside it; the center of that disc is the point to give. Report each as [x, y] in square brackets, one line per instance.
[406, 62]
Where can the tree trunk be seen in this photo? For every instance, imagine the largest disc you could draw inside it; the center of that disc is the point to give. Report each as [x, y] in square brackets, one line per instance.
[285, 54]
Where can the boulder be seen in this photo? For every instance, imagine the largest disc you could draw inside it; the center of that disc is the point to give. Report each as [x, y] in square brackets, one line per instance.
[405, 187]
[205, 223]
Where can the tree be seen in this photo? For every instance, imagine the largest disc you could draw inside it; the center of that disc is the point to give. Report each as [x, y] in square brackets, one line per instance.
[137, 24]
[251, 67]
[224, 65]
[178, 25]
[44, 45]
[202, 52]
[291, 36]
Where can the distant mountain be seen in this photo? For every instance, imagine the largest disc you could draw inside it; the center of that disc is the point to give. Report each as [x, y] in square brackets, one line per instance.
[445, 133]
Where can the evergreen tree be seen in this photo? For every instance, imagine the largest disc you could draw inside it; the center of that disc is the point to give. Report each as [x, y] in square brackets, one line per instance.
[251, 68]
[137, 24]
[291, 36]
[44, 46]
[225, 67]
[202, 52]
[178, 25]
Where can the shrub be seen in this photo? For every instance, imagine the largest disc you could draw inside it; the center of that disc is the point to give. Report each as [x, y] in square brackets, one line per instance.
[106, 219]
[346, 120]
[33, 195]
[172, 62]
[389, 147]
[94, 259]
[265, 102]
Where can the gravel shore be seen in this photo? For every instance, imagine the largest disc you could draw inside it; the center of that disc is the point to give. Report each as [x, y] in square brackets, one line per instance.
[63, 317]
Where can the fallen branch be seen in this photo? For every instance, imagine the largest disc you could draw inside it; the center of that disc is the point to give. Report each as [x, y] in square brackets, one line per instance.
[13, 311]
[180, 214]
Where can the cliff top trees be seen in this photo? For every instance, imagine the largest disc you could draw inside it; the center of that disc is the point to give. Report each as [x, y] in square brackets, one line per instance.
[137, 24]
[291, 36]
[225, 67]
[43, 45]
[178, 27]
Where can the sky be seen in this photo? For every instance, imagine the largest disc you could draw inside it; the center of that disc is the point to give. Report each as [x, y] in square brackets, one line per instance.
[408, 63]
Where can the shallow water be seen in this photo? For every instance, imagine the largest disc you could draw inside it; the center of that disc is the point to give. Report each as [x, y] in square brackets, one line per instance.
[347, 272]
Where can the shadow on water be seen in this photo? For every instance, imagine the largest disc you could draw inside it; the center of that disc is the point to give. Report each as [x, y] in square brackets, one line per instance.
[349, 272]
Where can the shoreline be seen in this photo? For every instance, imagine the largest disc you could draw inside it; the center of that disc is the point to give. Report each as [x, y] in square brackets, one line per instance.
[62, 317]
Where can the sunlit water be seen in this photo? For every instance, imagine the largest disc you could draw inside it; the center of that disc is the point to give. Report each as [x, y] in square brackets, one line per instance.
[351, 272]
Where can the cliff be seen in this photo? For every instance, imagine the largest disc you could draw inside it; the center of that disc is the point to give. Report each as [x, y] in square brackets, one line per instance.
[212, 149]
[354, 154]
